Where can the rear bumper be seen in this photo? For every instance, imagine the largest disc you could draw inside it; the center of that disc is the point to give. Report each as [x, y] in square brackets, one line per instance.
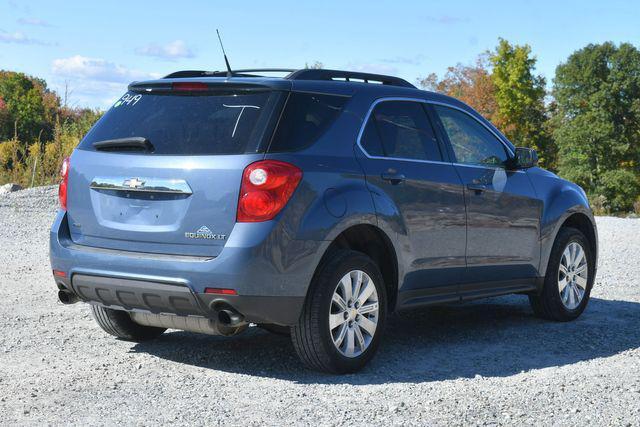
[271, 280]
[178, 299]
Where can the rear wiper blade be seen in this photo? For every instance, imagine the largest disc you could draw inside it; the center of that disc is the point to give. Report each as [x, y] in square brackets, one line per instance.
[134, 142]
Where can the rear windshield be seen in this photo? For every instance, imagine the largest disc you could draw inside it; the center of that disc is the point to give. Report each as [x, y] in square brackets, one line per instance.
[205, 124]
[306, 117]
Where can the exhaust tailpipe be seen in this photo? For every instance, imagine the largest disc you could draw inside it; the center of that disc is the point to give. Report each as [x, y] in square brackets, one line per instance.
[230, 317]
[203, 325]
[67, 297]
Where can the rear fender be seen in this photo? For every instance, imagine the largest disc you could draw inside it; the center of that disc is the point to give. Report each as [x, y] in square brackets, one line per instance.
[332, 197]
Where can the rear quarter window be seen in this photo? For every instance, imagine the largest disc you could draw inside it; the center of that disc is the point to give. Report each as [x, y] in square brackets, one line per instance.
[189, 124]
[306, 117]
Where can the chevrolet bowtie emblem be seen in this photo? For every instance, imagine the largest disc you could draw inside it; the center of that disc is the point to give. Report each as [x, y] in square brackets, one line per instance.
[133, 183]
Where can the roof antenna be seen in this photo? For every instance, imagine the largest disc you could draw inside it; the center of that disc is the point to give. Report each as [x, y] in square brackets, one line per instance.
[226, 61]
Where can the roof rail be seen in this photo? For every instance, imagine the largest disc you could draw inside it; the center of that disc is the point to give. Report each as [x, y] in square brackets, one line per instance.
[323, 74]
[304, 74]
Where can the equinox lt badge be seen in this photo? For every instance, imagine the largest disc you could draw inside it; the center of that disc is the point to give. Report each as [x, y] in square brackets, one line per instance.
[204, 233]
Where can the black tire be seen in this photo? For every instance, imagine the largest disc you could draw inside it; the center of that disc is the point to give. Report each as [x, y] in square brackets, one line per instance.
[548, 304]
[119, 324]
[312, 338]
[284, 331]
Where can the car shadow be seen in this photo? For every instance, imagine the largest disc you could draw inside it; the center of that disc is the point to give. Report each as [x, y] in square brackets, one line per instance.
[492, 338]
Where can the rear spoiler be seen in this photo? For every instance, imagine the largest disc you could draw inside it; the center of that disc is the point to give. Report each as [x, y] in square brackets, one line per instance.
[213, 83]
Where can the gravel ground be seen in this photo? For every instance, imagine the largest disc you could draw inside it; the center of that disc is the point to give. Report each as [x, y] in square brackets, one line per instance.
[488, 362]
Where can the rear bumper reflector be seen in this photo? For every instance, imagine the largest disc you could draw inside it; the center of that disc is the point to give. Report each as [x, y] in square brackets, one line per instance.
[220, 291]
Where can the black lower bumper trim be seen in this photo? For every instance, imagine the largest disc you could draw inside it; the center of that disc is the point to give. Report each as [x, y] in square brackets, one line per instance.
[136, 294]
[178, 299]
[279, 310]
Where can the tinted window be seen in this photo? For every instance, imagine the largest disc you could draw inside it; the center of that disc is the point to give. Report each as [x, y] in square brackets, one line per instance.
[229, 123]
[405, 131]
[305, 118]
[472, 143]
[370, 139]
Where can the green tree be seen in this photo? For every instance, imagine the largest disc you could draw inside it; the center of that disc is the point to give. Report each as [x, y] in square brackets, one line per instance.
[28, 107]
[519, 95]
[597, 122]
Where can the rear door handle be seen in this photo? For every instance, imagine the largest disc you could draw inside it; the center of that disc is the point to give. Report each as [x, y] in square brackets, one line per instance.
[393, 178]
[477, 188]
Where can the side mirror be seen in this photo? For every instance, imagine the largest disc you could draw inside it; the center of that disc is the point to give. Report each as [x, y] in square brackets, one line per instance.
[525, 158]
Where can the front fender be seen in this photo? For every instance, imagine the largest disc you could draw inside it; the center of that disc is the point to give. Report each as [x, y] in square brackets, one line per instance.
[562, 199]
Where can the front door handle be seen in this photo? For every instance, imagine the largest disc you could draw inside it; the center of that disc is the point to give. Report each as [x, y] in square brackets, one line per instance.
[393, 178]
[477, 188]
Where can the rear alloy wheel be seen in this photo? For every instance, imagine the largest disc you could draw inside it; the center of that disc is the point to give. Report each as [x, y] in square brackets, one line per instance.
[343, 317]
[353, 317]
[569, 278]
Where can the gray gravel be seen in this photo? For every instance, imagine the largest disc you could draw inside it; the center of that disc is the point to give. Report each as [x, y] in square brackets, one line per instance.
[488, 362]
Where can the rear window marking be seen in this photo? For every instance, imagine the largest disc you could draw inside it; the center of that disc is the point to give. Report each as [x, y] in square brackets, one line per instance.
[128, 99]
[242, 107]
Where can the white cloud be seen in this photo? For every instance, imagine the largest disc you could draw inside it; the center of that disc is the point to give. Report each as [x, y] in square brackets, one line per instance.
[94, 82]
[18, 37]
[373, 68]
[96, 69]
[405, 60]
[34, 21]
[170, 51]
[89, 93]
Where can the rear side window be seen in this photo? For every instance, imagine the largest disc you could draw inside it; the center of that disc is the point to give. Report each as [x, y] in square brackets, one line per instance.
[189, 124]
[403, 132]
[306, 117]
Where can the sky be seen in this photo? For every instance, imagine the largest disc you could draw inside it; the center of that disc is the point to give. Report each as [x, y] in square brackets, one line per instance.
[95, 49]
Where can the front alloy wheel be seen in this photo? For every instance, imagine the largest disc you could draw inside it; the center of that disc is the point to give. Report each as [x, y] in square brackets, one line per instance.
[573, 274]
[569, 278]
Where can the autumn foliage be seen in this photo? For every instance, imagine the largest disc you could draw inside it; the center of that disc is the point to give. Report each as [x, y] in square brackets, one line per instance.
[36, 130]
[587, 128]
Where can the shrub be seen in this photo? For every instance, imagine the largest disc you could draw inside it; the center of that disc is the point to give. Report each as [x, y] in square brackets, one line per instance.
[599, 204]
[621, 188]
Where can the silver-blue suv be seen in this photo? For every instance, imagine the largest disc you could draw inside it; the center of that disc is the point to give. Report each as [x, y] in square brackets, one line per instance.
[312, 205]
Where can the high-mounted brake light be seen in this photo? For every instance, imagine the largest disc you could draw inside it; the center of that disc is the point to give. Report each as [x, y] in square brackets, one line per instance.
[266, 188]
[189, 86]
[63, 188]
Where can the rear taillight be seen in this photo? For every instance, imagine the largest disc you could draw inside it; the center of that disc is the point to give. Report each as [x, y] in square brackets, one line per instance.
[266, 188]
[63, 188]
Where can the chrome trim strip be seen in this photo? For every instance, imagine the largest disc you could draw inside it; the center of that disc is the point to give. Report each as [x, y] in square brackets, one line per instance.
[424, 101]
[137, 255]
[141, 185]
